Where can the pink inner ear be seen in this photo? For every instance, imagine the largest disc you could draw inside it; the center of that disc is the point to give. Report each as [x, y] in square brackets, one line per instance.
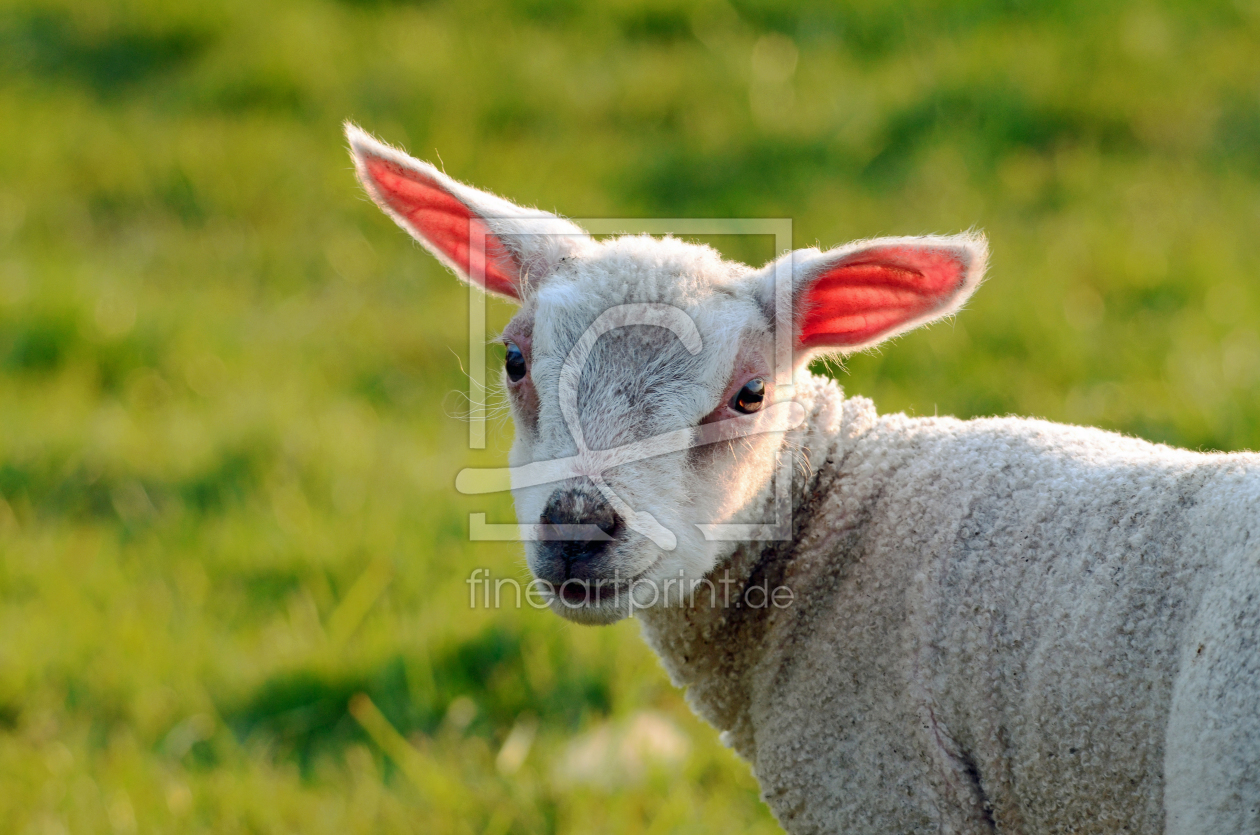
[440, 219]
[878, 292]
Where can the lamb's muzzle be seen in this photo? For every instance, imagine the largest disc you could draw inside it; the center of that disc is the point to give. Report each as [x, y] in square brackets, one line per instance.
[577, 556]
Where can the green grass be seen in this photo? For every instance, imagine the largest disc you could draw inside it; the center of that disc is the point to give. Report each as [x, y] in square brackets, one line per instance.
[230, 389]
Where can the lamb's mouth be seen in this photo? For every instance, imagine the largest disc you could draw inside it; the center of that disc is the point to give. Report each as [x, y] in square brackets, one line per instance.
[598, 593]
[581, 593]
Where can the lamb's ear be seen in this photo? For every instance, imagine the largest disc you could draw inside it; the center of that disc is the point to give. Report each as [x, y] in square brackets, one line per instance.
[855, 296]
[453, 220]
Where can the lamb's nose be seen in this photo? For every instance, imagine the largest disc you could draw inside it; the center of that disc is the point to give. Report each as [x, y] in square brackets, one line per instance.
[579, 506]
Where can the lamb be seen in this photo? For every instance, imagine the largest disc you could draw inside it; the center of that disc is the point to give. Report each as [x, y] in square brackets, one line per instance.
[994, 625]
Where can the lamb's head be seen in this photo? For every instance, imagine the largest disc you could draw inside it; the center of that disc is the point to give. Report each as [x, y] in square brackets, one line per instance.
[650, 391]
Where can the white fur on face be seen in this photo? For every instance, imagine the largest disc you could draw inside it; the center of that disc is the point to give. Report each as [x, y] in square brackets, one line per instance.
[641, 382]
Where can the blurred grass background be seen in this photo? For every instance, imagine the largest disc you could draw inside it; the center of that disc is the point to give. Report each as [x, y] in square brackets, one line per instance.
[230, 388]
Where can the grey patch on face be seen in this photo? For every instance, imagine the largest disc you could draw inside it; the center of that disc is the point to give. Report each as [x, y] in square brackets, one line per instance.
[640, 381]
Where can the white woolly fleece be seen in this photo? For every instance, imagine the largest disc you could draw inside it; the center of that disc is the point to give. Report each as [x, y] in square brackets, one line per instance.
[999, 625]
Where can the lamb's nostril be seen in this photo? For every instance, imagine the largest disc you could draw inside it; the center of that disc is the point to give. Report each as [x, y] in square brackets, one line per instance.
[613, 527]
[568, 509]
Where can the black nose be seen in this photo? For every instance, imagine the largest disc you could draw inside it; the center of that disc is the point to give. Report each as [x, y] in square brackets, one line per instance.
[578, 506]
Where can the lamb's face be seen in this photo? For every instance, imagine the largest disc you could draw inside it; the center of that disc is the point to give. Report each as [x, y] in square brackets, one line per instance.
[636, 380]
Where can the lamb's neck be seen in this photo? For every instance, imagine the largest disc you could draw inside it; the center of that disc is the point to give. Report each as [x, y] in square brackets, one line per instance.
[714, 644]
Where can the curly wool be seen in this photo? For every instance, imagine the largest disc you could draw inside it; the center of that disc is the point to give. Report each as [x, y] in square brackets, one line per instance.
[998, 625]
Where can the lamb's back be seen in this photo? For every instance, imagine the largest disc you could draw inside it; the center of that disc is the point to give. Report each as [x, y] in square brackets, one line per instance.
[995, 609]
[1051, 617]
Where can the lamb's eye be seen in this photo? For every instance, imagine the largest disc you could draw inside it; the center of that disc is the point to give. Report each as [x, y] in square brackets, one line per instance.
[514, 362]
[750, 397]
